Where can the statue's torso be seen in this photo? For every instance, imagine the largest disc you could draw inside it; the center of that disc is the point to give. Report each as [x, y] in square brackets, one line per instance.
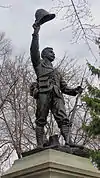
[48, 78]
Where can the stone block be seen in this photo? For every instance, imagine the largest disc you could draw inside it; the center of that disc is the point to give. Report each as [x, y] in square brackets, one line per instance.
[51, 163]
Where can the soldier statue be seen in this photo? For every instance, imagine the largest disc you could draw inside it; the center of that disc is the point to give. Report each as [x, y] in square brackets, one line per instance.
[49, 89]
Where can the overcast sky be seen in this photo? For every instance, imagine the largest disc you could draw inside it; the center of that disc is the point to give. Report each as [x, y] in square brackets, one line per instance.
[17, 21]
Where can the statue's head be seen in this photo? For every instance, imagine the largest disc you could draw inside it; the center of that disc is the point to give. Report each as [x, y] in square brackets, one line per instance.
[48, 53]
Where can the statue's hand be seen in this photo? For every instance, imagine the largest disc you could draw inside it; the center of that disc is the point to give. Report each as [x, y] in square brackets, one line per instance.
[34, 90]
[79, 89]
[36, 27]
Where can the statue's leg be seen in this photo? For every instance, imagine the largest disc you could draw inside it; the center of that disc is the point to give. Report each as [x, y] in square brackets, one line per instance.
[43, 102]
[59, 112]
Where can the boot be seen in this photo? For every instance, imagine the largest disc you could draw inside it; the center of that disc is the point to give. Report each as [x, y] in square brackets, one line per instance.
[65, 133]
[39, 136]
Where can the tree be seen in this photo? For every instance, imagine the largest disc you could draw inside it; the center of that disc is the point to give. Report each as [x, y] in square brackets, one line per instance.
[77, 17]
[16, 106]
[92, 100]
[5, 52]
[17, 114]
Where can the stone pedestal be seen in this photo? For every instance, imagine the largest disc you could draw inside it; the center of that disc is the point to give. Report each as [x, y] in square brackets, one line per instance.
[52, 164]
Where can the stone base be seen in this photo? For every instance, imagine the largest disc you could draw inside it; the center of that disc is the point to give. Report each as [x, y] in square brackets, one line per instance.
[76, 150]
[51, 163]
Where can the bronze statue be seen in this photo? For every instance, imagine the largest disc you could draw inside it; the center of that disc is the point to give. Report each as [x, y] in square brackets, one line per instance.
[49, 87]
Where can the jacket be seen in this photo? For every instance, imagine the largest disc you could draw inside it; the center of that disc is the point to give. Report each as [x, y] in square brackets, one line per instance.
[48, 78]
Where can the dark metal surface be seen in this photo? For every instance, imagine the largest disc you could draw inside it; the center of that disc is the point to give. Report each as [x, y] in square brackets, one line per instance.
[50, 86]
[43, 16]
[54, 144]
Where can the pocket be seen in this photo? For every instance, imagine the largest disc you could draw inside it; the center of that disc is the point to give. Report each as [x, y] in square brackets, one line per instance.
[44, 82]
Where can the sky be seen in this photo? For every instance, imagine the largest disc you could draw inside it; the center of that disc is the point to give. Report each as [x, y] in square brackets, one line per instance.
[16, 22]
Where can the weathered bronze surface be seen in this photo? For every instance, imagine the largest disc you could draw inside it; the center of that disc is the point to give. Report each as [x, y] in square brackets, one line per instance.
[43, 16]
[49, 89]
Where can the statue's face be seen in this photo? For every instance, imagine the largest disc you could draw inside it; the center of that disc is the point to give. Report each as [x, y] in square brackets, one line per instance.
[50, 54]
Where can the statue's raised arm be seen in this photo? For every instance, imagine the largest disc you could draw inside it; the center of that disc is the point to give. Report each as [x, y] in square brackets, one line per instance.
[34, 49]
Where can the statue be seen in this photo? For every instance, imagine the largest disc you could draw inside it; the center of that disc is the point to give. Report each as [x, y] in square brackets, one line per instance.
[50, 86]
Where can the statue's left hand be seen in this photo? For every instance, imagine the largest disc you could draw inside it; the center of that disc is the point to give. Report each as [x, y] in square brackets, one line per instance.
[34, 90]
